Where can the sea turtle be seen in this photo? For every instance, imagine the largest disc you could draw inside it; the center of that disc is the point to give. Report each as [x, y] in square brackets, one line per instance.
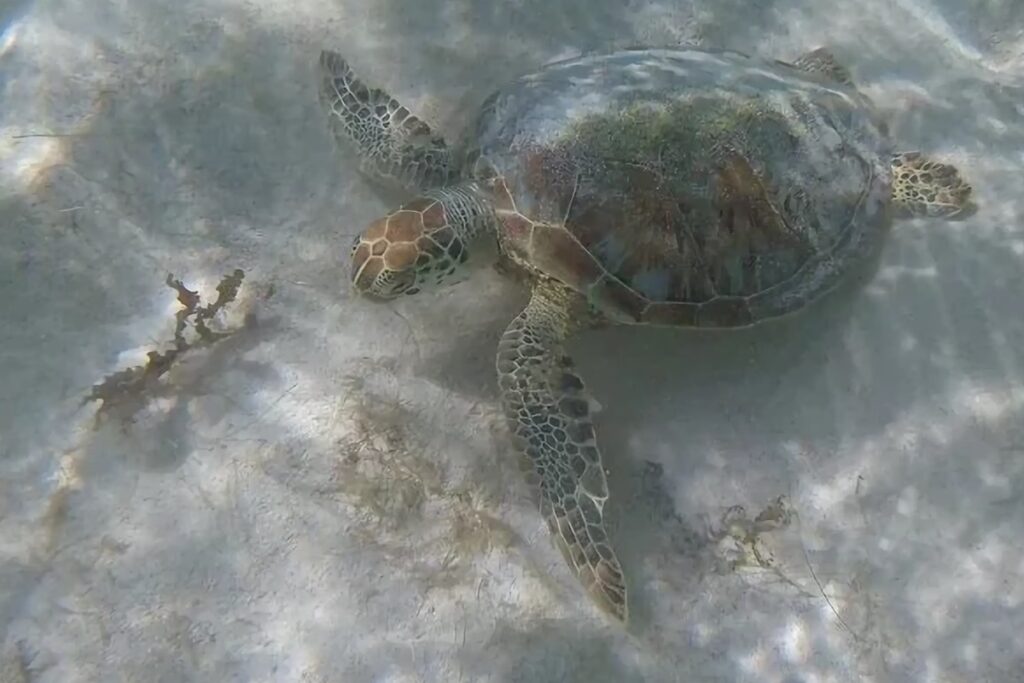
[681, 187]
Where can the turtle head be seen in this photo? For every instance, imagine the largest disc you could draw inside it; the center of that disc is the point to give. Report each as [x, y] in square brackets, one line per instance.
[413, 249]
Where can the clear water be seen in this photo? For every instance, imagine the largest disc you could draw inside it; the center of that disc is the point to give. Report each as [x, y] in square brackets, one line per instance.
[328, 493]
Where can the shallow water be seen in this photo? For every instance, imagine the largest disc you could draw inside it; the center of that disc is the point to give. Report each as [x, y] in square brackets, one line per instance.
[328, 493]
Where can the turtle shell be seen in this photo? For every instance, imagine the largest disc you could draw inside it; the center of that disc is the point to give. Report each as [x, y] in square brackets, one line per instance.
[705, 188]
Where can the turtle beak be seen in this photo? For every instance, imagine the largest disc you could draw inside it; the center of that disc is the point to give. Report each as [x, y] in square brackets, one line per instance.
[363, 269]
[357, 265]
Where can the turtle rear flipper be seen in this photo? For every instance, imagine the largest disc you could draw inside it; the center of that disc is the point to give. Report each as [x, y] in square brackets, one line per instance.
[923, 187]
[548, 411]
[393, 144]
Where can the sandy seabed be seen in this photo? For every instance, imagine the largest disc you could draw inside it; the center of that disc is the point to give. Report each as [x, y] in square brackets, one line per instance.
[328, 494]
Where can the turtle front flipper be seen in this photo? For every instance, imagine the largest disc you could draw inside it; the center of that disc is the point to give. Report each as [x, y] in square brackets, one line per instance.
[822, 61]
[548, 411]
[393, 145]
[923, 187]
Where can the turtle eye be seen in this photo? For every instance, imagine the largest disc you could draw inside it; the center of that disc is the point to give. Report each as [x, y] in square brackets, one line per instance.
[355, 244]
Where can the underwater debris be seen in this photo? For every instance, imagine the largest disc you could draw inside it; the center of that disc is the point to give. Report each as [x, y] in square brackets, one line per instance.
[742, 541]
[124, 392]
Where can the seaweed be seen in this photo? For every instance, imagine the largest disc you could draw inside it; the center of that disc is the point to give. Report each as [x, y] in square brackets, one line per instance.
[405, 504]
[124, 392]
[474, 530]
[383, 470]
[17, 661]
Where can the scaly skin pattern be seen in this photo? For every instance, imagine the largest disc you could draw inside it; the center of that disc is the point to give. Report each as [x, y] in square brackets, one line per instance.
[923, 187]
[394, 145]
[423, 244]
[548, 410]
[705, 207]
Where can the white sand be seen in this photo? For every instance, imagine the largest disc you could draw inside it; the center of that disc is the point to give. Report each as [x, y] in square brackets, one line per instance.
[328, 495]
